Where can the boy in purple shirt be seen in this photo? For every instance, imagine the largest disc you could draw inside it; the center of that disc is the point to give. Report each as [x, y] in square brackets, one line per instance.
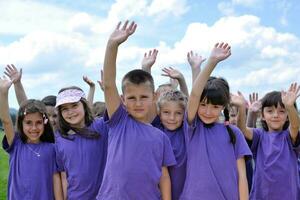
[138, 154]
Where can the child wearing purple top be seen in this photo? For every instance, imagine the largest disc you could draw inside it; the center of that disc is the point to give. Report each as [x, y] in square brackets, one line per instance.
[81, 145]
[215, 151]
[275, 146]
[32, 167]
[138, 153]
[171, 107]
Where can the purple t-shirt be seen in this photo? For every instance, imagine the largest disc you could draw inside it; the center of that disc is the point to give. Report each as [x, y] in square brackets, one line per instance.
[276, 170]
[212, 161]
[178, 171]
[31, 169]
[136, 154]
[83, 160]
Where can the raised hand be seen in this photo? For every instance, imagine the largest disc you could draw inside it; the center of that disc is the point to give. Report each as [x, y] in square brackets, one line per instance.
[289, 97]
[238, 99]
[149, 59]
[12, 72]
[220, 52]
[4, 84]
[172, 73]
[254, 103]
[195, 60]
[88, 81]
[121, 34]
[100, 82]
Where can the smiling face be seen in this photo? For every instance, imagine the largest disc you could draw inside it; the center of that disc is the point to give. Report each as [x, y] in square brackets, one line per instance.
[209, 113]
[275, 117]
[73, 114]
[171, 115]
[138, 100]
[33, 127]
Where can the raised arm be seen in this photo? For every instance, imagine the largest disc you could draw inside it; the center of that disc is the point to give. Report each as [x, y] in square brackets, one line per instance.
[120, 35]
[4, 110]
[195, 62]
[288, 99]
[219, 52]
[240, 102]
[100, 82]
[177, 75]
[90, 97]
[15, 76]
[149, 60]
[253, 110]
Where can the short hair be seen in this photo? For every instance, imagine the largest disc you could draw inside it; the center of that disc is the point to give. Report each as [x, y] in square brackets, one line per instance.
[137, 77]
[216, 92]
[172, 95]
[33, 106]
[272, 99]
[49, 100]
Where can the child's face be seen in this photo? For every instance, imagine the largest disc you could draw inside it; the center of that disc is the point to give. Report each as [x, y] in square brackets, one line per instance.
[233, 115]
[274, 117]
[52, 114]
[33, 127]
[138, 100]
[73, 113]
[209, 113]
[171, 115]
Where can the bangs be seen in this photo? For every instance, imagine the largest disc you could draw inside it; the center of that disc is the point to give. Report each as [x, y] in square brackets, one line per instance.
[272, 99]
[214, 96]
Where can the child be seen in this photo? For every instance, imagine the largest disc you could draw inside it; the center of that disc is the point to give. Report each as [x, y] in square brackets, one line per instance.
[171, 107]
[50, 102]
[215, 152]
[275, 147]
[81, 145]
[32, 172]
[138, 154]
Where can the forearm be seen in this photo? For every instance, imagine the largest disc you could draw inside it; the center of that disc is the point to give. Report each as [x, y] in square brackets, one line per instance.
[294, 122]
[90, 97]
[195, 72]
[20, 92]
[165, 185]
[251, 119]
[5, 117]
[64, 184]
[146, 69]
[58, 192]
[241, 122]
[183, 86]
[243, 184]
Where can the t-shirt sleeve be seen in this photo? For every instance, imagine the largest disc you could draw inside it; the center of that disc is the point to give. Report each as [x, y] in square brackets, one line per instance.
[10, 148]
[101, 127]
[241, 147]
[119, 115]
[296, 146]
[59, 159]
[255, 140]
[168, 154]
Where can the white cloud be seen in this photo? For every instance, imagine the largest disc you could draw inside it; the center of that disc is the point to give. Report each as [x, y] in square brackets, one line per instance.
[174, 7]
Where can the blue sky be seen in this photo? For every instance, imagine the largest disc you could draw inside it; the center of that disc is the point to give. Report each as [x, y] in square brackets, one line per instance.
[56, 42]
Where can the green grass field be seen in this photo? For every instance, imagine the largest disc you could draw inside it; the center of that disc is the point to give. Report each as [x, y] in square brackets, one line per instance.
[3, 170]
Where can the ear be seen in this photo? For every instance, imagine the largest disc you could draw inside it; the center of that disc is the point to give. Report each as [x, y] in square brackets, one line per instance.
[123, 99]
[155, 97]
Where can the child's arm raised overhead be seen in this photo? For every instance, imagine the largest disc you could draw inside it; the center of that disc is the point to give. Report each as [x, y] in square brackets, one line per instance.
[90, 97]
[15, 76]
[219, 52]
[149, 60]
[240, 102]
[253, 110]
[120, 35]
[288, 99]
[100, 82]
[195, 62]
[4, 110]
[176, 74]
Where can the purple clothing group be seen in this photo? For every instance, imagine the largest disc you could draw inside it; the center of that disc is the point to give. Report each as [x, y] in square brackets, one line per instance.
[31, 171]
[83, 160]
[276, 174]
[136, 154]
[212, 161]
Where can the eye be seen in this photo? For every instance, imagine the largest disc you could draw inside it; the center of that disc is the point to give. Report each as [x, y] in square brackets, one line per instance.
[28, 122]
[39, 122]
[202, 104]
[179, 113]
[75, 105]
[165, 112]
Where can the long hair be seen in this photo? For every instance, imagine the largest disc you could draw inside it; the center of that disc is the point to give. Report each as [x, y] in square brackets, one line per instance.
[33, 106]
[64, 127]
[216, 92]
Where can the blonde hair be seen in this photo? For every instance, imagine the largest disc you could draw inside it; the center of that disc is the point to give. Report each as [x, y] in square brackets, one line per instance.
[172, 95]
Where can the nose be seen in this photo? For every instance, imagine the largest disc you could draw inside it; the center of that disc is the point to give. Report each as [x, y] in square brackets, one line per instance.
[172, 116]
[207, 111]
[138, 102]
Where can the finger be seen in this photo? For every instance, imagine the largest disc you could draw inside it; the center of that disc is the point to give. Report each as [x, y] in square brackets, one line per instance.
[256, 96]
[118, 25]
[216, 45]
[125, 25]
